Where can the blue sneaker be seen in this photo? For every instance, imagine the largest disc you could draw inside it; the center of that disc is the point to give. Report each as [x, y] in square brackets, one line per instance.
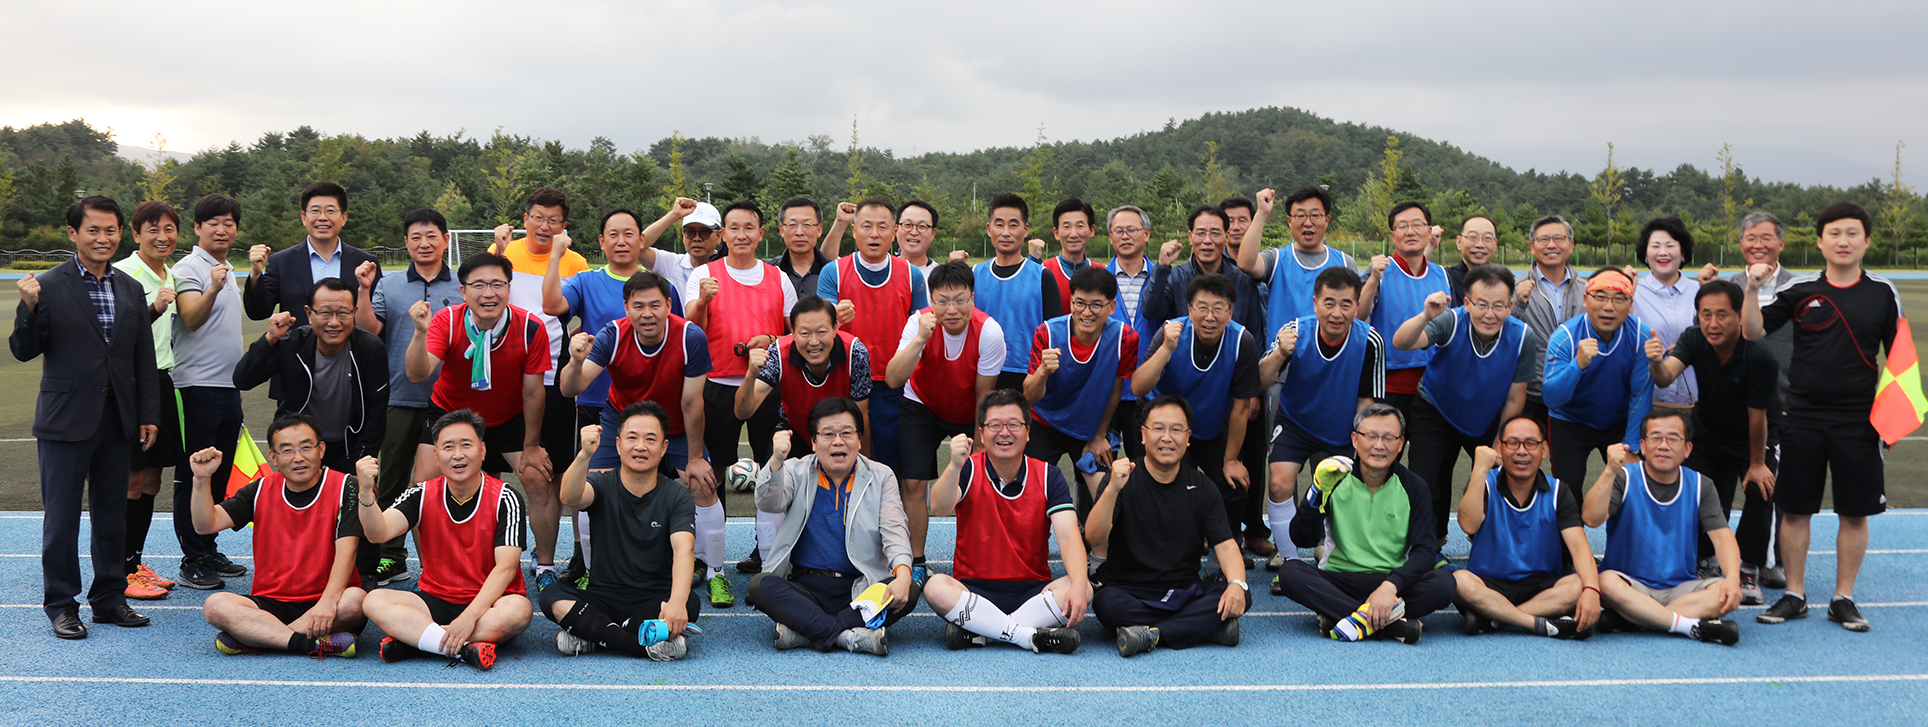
[920, 573]
[545, 579]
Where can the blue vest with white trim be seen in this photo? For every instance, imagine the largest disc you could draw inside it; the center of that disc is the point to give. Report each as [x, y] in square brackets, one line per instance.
[1076, 394]
[1208, 387]
[1517, 542]
[1017, 304]
[1467, 387]
[1290, 294]
[1402, 296]
[1320, 394]
[1656, 543]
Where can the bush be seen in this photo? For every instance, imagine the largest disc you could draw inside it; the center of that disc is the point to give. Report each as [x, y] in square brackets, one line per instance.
[33, 264]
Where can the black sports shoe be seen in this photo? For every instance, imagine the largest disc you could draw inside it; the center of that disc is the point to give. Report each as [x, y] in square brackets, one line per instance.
[750, 565]
[1474, 623]
[221, 566]
[392, 651]
[1405, 631]
[1277, 588]
[1135, 640]
[1226, 634]
[390, 570]
[1842, 611]
[1790, 606]
[1056, 641]
[1611, 621]
[955, 637]
[1775, 577]
[574, 572]
[1717, 631]
[196, 574]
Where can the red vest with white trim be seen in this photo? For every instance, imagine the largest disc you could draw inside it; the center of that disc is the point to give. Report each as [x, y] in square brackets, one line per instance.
[294, 549]
[458, 556]
[881, 310]
[949, 386]
[1055, 266]
[739, 313]
[799, 395]
[637, 376]
[1003, 538]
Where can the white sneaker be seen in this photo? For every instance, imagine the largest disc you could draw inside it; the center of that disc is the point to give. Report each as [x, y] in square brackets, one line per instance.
[865, 641]
[788, 639]
[670, 650]
[570, 645]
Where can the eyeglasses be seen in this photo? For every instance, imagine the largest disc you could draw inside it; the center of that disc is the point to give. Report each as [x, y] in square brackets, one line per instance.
[963, 302]
[1517, 444]
[291, 450]
[1003, 427]
[1210, 234]
[916, 226]
[1307, 216]
[1176, 430]
[1478, 238]
[1614, 298]
[1087, 305]
[1404, 226]
[330, 211]
[841, 434]
[1671, 440]
[1480, 306]
[877, 226]
[481, 285]
[1385, 439]
[1126, 231]
[331, 314]
[1213, 311]
[549, 221]
[794, 226]
[1552, 240]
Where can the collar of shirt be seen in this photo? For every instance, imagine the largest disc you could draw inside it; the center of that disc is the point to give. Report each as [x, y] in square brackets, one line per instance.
[415, 276]
[1649, 281]
[1533, 271]
[840, 492]
[838, 354]
[782, 261]
[316, 255]
[1414, 272]
[133, 265]
[90, 274]
[1144, 269]
[207, 256]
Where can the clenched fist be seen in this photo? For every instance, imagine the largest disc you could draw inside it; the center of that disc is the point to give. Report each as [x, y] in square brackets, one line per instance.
[706, 290]
[847, 213]
[1584, 351]
[1709, 273]
[846, 312]
[1378, 266]
[1036, 247]
[163, 298]
[1655, 349]
[1484, 458]
[1168, 253]
[758, 357]
[1288, 339]
[1436, 304]
[29, 291]
[1523, 293]
[258, 257]
[1048, 361]
[365, 273]
[683, 207]
[926, 324]
[419, 314]
[278, 325]
[1173, 329]
[591, 437]
[579, 346]
[1265, 200]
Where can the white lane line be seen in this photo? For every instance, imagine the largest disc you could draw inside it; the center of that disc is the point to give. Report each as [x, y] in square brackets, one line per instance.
[1046, 689]
[141, 606]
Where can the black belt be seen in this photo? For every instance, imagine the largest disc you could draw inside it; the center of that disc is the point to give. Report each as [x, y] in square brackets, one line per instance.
[824, 573]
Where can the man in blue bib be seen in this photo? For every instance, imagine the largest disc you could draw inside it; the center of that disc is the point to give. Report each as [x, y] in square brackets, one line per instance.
[1397, 287]
[1012, 289]
[1079, 366]
[1598, 385]
[1483, 359]
[1655, 510]
[1331, 365]
[1524, 526]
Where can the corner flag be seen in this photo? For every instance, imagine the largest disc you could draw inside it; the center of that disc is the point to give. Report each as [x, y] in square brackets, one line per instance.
[249, 465]
[1898, 404]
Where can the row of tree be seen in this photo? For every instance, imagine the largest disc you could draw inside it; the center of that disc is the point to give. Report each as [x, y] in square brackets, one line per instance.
[479, 183]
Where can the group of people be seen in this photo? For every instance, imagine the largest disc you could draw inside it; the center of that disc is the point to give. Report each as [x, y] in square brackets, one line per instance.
[622, 393]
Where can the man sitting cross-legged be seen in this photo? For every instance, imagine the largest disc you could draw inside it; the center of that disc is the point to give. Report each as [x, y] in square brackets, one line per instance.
[304, 549]
[1655, 510]
[1006, 505]
[469, 530]
[1523, 524]
[638, 601]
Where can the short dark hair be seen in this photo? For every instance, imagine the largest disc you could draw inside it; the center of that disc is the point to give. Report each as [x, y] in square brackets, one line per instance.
[1538, 427]
[920, 204]
[1002, 397]
[793, 203]
[1663, 412]
[324, 189]
[1478, 216]
[1215, 283]
[425, 216]
[1164, 400]
[1489, 273]
[1403, 206]
[290, 421]
[1380, 409]
[1206, 209]
[1308, 192]
[646, 280]
[878, 202]
[77, 212]
[953, 274]
[214, 205]
[1238, 202]
[1074, 205]
[1673, 227]
[459, 416]
[745, 205]
[1534, 229]
[1012, 201]
[1844, 211]
[154, 211]
[548, 197]
[334, 284]
[607, 216]
[831, 407]
[1095, 279]
[1719, 286]
[644, 408]
[482, 260]
[813, 304]
[1339, 277]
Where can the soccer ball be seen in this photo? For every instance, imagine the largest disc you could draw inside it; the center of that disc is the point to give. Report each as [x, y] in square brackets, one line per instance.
[743, 475]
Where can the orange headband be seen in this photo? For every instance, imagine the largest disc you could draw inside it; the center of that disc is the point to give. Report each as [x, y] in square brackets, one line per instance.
[1608, 280]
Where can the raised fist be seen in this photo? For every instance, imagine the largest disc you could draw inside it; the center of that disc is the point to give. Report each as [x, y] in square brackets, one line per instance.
[365, 273]
[1655, 349]
[561, 240]
[218, 278]
[258, 257]
[1048, 361]
[1173, 329]
[163, 298]
[846, 312]
[1168, 253]
[758, 357]
[367, 471]
[579, 346]
[1288, 338]
[1036, 247]
[1758, 274]
[1618, 455]
[1378, 266]
[1485, 457]
[278, 325]
[780, 444]
[1708, 273]
[29, 291]
[847, 213]
[1523, 293]
[502, 234]
[1585, 350]
[1265, 200]
[959, 256]
[419, 314]
[707, 288]
[1120, 471]
[205, 462]
[926, 324]
[960, 448]
[591, 437]
[1436, 304]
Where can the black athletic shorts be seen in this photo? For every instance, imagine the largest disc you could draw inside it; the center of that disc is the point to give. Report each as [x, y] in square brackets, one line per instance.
[1007, 596]
[441, 612]
[1292, 444]
[1853, 453]
[500, 439]
[287, 611]
[920, 432]
[1521, 590]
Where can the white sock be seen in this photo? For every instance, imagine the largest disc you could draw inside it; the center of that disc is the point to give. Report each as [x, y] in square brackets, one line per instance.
[582, 538]
[977, 615]
[767, 525]
[709, 536]
[1683, 625]
[1042, 611]
[431, 640]
[1279, 517]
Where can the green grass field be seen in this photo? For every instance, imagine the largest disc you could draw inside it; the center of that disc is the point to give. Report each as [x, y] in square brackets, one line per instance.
[19, 473]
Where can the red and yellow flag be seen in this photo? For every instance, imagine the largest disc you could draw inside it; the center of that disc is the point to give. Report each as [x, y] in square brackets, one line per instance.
[250, 465]
[1898, 404]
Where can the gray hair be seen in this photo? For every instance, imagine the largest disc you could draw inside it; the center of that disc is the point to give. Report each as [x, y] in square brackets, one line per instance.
[1758, 216]
[1549, 220]
[1380, 409]
[1143, 219]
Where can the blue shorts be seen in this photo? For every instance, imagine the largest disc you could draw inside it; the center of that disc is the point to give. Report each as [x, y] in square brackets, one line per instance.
[675, 458]
[1007, 596]
[1292, 444]
[885, 405]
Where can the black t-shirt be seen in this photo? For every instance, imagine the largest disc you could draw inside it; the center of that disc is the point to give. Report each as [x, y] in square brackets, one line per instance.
[629, 535]
[1838, 337]
[1748, 380]
[241, 507]
[511, 517]
[1052, 306]
[1245, 362]
[1159, 530]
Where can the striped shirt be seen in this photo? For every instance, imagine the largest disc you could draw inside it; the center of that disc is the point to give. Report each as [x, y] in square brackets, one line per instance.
[100, 289]
[1131, 287]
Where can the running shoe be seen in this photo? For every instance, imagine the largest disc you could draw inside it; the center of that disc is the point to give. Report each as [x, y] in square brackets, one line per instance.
[1473, 623]
[582, 582]
[221, 566]
[956, 638]
[788, 639]
[865, 641]
[1842, 611]
[1277, 588]
[1751, 586]
[1709, 568]
[1717, 631]
[570, 645]
[1570, 629]
[478, 654]
[1406, 631]
[751, 565]
[390, 570]
[225, 643]
[873, 605]
[1775, 577]
[669, 649]
[392, 651]
[342, 645]
[1135, 640]
[1057, 640]
[155, 578]
[196, 574]
[138, 586]
[1261, 547]
[919, 573]
[720, 595]
[1275, 561]
[1226, 634]
[1790, 606]
[545, 579]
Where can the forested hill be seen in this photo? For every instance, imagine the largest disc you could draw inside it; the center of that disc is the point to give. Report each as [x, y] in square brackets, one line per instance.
[478, 181]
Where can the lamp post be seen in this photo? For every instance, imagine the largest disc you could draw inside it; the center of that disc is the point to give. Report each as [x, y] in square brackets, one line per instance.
[706, 192]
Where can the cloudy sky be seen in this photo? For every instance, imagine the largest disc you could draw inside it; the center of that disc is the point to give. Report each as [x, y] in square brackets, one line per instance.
[1807, 92]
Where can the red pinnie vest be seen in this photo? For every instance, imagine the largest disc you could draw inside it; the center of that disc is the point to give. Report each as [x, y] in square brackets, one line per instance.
[457, 556]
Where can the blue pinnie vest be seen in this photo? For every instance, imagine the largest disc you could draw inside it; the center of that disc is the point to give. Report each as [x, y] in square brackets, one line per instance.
[1516, 542]
[1207, 386]
[1468, 388]
[1320, 394]
[1076, 394]
[1290, 294]
[1402, 296]
[1656, 543]
[1017, 304]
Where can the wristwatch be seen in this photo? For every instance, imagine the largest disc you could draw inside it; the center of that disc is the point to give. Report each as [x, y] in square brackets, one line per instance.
[1241, 584]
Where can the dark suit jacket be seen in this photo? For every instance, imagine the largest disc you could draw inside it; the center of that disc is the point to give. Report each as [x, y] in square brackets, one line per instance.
[290, 364]
[81, 369]
[286, 281]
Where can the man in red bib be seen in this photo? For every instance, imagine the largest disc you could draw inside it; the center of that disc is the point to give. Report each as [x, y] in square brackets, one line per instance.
[1006, 505]
[875, 293]
[469, 527]
[300, 516]
[933, 370]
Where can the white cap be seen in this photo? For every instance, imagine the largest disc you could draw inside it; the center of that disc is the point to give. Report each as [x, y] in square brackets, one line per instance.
[705, 215]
